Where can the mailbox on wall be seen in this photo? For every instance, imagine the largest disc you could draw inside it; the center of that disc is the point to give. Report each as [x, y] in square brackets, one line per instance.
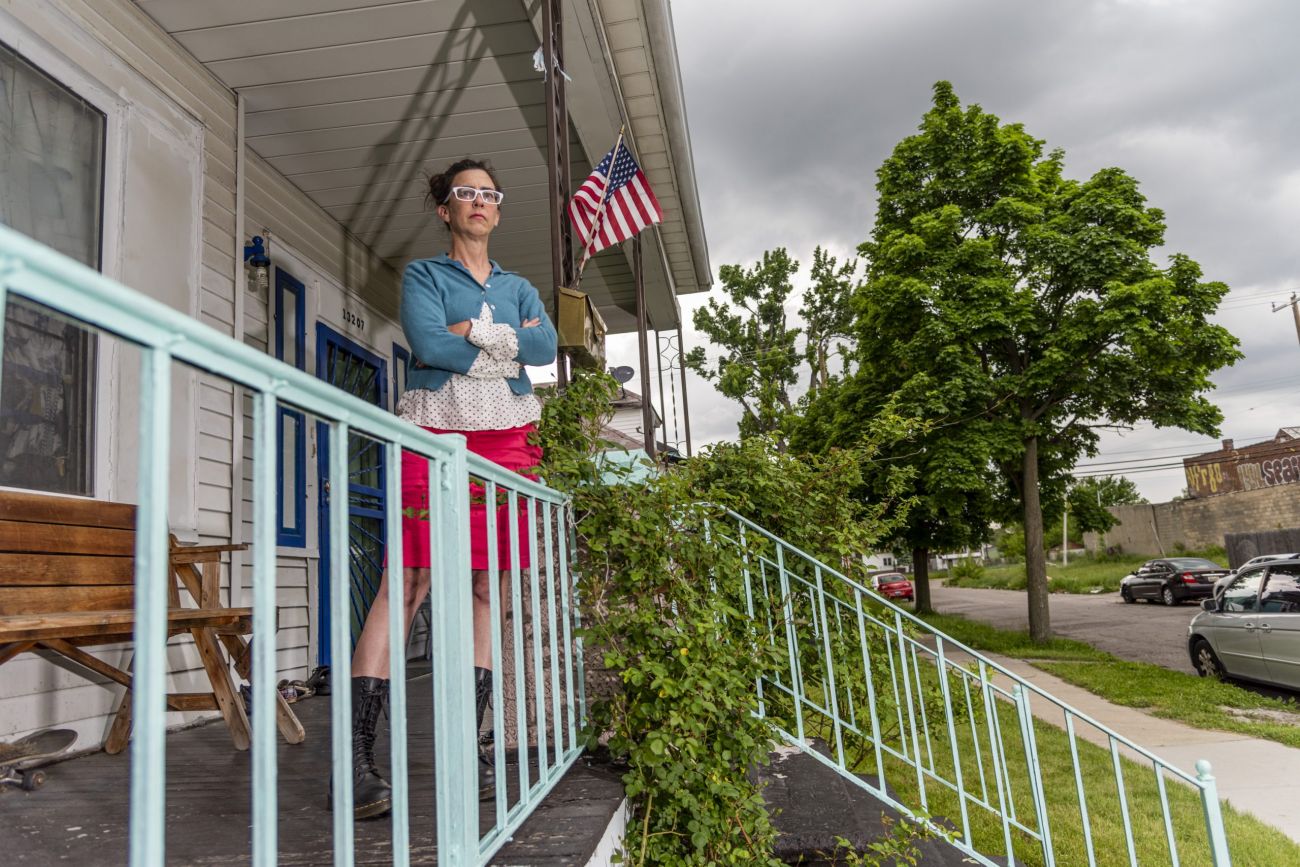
[581, 329]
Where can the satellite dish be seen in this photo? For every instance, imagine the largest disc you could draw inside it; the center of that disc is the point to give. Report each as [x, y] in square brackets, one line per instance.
[622, 375]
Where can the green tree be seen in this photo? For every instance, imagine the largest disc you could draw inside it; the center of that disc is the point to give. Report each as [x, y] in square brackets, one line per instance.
[948, 479]
[1040, 293]
[827, 315]
[1090, 499]
[759, 360]
[1010, 542]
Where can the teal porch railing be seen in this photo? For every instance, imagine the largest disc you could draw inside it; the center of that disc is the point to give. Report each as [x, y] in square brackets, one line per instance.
[548, 716]
[918, 720]
[933, 728]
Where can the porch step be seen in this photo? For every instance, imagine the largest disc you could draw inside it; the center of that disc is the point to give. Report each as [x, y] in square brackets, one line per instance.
[569, 826]
[812, 805]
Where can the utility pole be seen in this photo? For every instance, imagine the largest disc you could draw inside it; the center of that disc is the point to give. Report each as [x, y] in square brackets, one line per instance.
[1065, 530]
[1102, 546]
[1295, 311]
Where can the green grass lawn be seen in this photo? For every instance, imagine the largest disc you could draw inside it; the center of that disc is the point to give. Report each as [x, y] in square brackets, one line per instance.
[1196, 701]
[1250, 842]
[996, 787]
[1010, 642]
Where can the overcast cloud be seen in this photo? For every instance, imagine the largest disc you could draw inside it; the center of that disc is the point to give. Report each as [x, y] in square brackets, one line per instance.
[793, 107]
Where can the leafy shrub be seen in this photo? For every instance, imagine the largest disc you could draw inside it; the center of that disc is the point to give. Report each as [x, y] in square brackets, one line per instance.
[966, 570]
[665, 602]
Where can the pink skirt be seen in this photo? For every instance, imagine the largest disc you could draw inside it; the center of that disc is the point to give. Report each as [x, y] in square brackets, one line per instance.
[511, 449]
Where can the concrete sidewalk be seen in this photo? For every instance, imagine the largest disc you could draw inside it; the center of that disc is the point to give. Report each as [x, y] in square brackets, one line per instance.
[1255, 776]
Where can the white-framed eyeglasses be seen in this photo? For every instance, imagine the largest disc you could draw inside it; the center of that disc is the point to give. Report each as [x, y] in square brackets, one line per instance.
[469, 194]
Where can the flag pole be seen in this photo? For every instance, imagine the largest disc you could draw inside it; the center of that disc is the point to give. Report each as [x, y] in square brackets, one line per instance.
[600, 209]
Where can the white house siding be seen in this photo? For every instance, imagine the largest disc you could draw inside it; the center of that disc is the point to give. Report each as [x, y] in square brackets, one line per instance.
[628, 421]
[160, 97]
[298, 568]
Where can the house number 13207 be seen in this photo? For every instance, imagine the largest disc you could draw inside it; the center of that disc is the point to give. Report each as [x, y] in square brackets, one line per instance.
[353, 319]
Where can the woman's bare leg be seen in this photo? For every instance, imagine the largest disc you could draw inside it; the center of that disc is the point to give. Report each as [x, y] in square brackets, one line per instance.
[483, 616]
[370, 659]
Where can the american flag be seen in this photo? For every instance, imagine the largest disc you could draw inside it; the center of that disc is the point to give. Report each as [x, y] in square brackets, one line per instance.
[630, 205]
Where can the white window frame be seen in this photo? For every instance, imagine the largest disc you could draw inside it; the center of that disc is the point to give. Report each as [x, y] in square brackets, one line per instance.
[53, 63]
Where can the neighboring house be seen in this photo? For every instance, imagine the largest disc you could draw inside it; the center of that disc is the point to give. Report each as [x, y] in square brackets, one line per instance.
[628, 418]
[983, 555]
[1077, 549]
[878, 561]
[622, 449]
[152, 139]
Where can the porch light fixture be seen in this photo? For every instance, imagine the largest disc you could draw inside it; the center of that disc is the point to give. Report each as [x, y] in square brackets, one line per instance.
[258, 260]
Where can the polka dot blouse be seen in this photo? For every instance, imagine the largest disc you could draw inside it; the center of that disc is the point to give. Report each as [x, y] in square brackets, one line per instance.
[480, 399]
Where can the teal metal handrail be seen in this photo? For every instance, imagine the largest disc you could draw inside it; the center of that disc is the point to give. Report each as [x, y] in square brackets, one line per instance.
[851, 657]
[893, 697]
[165, 337]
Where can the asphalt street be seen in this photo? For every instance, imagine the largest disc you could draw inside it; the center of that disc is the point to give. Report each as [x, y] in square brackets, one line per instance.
[1142, 632]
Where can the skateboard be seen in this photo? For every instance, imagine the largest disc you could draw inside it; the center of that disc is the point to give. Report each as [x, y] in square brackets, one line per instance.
[18, 758]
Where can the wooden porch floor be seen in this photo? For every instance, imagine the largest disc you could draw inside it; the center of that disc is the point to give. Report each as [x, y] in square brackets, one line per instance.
[80, 816]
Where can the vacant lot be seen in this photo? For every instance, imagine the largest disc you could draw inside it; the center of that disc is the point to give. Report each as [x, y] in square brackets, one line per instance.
[1083, 575]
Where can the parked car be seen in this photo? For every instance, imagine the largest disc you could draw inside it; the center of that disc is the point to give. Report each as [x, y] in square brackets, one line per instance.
[1266, 558]
[1171, 580]
[1253, 561]
[1251, 630]
[892, 585]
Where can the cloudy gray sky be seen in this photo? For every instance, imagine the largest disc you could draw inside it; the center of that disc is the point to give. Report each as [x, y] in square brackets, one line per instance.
[791, 113]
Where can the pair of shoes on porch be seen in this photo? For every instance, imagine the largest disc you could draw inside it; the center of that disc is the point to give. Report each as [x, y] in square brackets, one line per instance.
[319, 682]
[371, 795]
[290, 690]
[294, 690]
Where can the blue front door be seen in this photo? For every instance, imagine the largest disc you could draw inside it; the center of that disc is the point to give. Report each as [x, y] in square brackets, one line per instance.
[359, 372]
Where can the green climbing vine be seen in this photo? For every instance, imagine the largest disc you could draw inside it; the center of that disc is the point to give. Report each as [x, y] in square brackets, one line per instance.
[664, 604]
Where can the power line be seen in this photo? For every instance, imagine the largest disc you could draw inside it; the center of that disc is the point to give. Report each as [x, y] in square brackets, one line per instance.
[1154, 468]
[1243, 437]
[1102, 464]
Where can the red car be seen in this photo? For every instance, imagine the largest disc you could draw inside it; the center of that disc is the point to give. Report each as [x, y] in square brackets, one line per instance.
[892, 585]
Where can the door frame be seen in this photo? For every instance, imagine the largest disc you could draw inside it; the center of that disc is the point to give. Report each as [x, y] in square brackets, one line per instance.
[325, 337]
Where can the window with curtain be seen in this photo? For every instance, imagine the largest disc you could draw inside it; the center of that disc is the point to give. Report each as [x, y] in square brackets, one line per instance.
[51, 189]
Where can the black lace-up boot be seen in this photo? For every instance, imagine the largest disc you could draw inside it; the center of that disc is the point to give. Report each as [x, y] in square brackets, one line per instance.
[371, 795]
[487, 779]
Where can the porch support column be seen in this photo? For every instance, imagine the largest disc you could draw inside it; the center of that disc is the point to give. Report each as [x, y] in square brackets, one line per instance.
[557, 176]
[663, 401]
[643, 347]
[681, 366]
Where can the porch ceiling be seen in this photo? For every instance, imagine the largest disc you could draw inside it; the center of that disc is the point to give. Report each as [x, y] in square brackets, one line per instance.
[354, 101]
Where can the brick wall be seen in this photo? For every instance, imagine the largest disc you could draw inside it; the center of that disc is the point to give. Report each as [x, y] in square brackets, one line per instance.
[1158, 528]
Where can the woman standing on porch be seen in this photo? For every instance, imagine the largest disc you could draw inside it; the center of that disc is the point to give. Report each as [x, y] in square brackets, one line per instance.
[471, 327]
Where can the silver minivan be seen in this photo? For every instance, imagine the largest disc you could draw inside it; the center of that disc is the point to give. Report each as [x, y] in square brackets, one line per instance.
[1251, 627]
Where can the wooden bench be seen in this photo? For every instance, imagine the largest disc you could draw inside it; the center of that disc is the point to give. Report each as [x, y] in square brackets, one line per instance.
[67, 582]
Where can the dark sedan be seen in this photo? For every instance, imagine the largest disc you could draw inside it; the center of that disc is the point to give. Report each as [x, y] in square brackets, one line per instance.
[1172, 580]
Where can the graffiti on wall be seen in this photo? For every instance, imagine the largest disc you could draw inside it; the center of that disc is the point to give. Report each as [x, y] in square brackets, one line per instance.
[1280, 471]
[1265, 474]
[1205, 479]
[1261, 465]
